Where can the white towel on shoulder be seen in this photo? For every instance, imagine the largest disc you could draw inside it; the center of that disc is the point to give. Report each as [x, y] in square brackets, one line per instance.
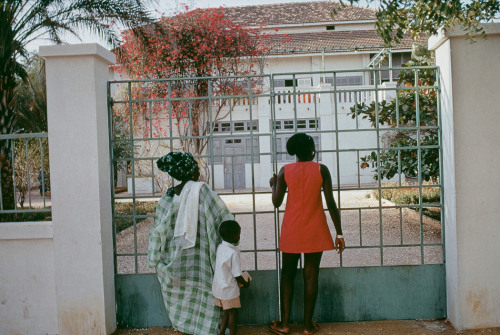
[187, 218]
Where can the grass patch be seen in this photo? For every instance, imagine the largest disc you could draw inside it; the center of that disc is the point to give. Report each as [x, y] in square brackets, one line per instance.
[410, 196]
[127, 209]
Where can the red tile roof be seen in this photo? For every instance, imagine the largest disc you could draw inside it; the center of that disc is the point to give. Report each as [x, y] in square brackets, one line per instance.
[333, 41]
[320, 12]
[297, 13]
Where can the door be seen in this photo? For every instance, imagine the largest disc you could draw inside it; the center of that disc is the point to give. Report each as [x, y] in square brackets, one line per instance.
[234, 164]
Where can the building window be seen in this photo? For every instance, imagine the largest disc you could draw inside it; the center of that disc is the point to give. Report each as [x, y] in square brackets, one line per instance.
[297, 82]
[330, 27]
[299, 124]
[346, 80]
[252, 125]
[288, 124]
[239, 126]
[397, 60]
[224, 127]
[236, 126]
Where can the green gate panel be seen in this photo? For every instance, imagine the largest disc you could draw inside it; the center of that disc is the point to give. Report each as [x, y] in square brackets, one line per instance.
[139, 302]
[379, 293]
[345, 294]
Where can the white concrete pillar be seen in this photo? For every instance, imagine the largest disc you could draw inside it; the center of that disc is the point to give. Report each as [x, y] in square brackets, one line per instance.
[470, 77]
[388, 91]
[80, 185]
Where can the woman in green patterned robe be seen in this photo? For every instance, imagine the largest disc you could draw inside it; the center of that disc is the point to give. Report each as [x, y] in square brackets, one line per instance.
[183, 254]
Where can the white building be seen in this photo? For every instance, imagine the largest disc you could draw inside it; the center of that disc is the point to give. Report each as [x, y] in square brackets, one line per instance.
[306, 41]
[309, 49]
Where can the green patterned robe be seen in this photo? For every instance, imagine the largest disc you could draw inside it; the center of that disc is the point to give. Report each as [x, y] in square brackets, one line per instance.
[185, 275]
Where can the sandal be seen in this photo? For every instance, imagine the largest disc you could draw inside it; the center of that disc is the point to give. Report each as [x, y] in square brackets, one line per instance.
[313, 331]
[277, 330]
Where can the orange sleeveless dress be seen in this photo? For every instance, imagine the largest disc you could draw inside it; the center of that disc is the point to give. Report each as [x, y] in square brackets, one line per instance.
[304, 228]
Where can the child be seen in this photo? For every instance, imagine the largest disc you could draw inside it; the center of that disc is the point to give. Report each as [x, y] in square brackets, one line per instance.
[228, 277]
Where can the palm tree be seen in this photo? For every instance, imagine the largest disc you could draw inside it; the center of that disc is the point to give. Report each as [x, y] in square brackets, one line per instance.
[23, 21]
[30, 104]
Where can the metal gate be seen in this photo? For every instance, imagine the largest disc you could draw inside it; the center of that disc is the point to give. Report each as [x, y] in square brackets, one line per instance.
[380, 140]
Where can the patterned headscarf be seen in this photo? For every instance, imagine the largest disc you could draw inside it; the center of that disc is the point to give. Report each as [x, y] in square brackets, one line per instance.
[181, 166]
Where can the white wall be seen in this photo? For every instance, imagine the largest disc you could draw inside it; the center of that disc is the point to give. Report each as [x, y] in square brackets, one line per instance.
[57, 277]
[471, 117]
[27, 283]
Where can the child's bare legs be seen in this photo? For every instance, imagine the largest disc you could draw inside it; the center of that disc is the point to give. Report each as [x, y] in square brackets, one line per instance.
[311, 272]
[223, 322]
[233, 313]
[229, 319]
[288, 273]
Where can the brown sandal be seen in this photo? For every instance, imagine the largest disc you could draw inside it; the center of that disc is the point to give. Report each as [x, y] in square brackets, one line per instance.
[277, 330]
[313, 331]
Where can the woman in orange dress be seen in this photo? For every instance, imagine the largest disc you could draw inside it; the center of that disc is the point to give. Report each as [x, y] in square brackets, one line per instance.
[304, 229]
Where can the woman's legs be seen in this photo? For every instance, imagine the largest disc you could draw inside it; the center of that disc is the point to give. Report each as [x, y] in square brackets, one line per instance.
[311, 271]
[288, 273]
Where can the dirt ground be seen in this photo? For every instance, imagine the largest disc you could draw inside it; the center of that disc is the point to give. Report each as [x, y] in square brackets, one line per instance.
[410, 327]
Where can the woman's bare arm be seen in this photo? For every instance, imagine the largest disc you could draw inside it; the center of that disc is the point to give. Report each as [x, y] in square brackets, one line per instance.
[332, 206]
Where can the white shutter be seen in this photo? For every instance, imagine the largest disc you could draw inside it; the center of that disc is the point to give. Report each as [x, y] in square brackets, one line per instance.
[304, 82]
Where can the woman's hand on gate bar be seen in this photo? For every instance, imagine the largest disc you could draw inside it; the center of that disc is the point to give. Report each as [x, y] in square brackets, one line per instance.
[273, 180]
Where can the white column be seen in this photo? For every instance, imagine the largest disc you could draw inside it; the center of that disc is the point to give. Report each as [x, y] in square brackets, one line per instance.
[470, 77]
[81, 188]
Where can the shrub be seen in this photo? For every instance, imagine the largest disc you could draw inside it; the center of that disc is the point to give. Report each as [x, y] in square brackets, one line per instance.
[410, 195]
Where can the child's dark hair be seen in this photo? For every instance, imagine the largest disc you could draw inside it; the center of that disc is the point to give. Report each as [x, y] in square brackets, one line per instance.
[300, 145]
[229, 228]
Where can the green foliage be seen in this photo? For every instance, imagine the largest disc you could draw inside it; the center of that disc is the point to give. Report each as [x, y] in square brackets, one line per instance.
[24, 21]
[30, 216]
[413, 116]
[30, 107]
[396, 18]
[127, 209]
[409, 195]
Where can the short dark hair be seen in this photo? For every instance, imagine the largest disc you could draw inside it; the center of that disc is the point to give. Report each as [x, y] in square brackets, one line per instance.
[300, 145]
[229, 228]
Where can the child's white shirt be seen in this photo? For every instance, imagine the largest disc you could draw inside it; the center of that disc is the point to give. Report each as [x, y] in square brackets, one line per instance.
[227, 268]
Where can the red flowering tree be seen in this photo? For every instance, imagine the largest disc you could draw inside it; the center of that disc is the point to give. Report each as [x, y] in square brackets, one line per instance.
[213, 60]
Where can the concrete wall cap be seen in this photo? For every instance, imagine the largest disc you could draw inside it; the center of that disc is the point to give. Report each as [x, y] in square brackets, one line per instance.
[26, 230]
[74, 50]
[435, 41]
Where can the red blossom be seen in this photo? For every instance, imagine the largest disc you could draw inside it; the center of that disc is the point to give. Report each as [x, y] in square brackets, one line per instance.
[198, 43]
